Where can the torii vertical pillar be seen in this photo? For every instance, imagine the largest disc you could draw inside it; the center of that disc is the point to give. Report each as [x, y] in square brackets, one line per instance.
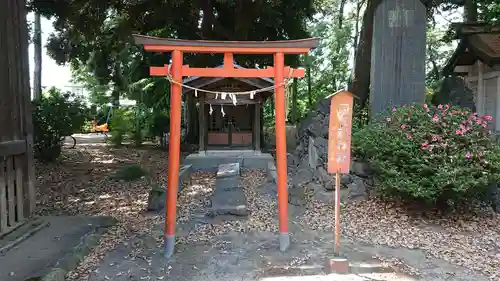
[398, 54]
[174, 152]
[281, 165]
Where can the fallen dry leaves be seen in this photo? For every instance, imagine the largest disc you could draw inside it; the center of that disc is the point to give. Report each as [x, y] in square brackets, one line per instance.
[81, 185]
[471, 240]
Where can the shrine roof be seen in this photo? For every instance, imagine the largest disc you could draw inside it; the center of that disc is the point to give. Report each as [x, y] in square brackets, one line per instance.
[478, 41]
[208, 46]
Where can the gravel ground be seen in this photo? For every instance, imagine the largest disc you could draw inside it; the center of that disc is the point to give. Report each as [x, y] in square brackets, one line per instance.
[82, 184]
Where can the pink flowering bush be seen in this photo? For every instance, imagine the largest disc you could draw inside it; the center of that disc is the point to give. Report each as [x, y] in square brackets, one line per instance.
[437, 155]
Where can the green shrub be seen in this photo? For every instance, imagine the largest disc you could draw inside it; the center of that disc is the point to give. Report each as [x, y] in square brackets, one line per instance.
[442, 155]
[129, 173]
[159, 124]
[55, 116]
[119, 126]
[360, 117]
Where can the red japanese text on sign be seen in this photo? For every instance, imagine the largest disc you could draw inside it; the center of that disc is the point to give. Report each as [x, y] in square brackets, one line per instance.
[339, 138]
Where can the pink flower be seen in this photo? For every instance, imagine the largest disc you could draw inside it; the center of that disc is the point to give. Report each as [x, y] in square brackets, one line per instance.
[478, 121]
[488, 117]
[409, 136]
[447, 107]
[435, 137]
[435, 118]
[424, 145]
[404, 105]
[403, 126]
[467, 155]
[393, 109]
[440, 106]
[425, 105]
[458, 132]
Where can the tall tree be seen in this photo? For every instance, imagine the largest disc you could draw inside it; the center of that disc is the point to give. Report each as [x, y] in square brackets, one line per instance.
[96, 34]
[37, 44]
[360, 82]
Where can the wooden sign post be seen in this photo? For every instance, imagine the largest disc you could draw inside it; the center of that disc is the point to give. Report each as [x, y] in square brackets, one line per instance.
[339, 160]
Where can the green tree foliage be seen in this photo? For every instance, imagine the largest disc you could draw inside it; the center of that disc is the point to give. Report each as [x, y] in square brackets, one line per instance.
[95, 36]
[55, 116]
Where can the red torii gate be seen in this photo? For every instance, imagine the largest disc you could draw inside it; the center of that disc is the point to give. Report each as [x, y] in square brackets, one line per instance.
[177, 71]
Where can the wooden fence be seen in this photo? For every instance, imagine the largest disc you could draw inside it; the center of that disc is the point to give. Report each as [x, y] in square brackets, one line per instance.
[17, 191]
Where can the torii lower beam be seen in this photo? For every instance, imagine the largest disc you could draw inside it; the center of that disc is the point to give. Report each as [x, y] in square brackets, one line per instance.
[178, 70]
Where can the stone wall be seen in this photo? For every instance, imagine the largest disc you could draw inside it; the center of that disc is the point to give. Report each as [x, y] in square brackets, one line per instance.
[307, 161]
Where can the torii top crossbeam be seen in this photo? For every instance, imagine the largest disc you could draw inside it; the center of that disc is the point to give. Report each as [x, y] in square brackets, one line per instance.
[177, 71]
[156, 44]
[228, 48]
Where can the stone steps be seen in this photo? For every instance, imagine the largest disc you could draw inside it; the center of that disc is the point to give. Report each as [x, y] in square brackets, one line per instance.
[228, 197]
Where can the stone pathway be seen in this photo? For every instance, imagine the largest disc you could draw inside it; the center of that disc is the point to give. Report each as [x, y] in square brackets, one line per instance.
[228, 197]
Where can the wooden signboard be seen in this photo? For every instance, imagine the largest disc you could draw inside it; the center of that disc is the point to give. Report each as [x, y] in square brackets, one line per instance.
[339, 134]
[339, 153]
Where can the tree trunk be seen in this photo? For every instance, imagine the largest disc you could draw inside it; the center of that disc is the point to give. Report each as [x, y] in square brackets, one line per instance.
[309, 85]
[360, 83]
[294, 101]
[37, 43]
[359, 5]
[470, 11]
[335, 58]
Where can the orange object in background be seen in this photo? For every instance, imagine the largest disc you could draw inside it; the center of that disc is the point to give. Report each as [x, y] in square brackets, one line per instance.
[99, 128]
[339, 133]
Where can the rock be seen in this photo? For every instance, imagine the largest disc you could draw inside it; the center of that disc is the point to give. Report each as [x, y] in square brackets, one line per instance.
[321, 145]
[302, 177]
[328, 197]
[156, 198]
[346, 179]
[357, 189]
[228, 170]
[361, 169]
[326, 179]
[228, 198]
[312, 154]
[292, 159]
[495, 198]
[296, 196]
[272, 176]
[318, 128]
[157, 195]
[454, 91]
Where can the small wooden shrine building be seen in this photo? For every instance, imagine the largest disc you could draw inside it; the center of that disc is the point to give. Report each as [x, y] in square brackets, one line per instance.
[222, 120]
[477, 60]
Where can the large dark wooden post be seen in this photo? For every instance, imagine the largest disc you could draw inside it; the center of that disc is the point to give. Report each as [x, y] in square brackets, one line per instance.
[201, 124]
[17, 177]
[256, 126]
[398, 54]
